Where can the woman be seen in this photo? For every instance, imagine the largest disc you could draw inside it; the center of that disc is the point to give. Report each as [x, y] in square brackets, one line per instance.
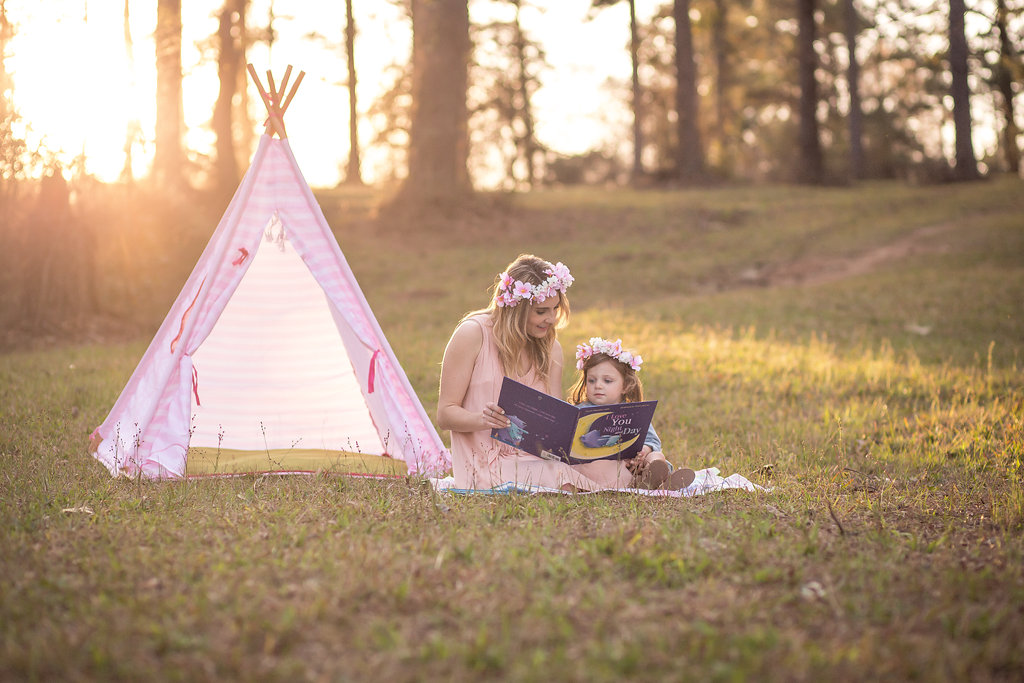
[514, 336]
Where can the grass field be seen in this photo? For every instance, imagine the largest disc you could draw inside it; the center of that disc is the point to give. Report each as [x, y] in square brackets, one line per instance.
[858, 350]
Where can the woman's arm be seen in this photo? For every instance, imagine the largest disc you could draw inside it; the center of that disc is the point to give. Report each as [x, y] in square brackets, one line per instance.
[456, 371]
[555, 371]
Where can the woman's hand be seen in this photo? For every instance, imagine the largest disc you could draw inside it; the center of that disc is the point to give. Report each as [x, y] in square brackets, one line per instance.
[494, 417]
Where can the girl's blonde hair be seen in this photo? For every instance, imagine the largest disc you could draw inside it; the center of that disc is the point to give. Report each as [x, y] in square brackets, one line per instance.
[510, 321]
[632, 387]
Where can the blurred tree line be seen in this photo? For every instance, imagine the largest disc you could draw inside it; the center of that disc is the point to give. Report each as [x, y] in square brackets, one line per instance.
[809, 91]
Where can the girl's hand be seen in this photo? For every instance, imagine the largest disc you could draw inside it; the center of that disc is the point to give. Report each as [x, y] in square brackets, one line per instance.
[494, 417]
[642, 458]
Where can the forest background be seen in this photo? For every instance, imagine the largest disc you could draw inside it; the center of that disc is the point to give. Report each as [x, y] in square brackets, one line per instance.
[808, 91]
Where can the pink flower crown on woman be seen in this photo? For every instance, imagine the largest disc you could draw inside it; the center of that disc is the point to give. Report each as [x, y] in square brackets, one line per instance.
[608, 348]
[510, 292]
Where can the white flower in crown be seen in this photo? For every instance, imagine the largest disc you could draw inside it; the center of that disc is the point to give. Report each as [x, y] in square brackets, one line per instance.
[612, 349]
[510, 292]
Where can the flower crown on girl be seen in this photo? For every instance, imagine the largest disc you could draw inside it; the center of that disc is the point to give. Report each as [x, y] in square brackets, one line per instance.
[609, 348]
[510, 292]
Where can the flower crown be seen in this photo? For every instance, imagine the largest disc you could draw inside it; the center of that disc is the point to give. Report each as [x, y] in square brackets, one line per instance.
[608, 348]
[510, 292]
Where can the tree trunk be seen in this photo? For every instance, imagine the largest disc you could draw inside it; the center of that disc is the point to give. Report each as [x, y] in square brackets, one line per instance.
[855, 119]
[353, 176]
[241, 117]
[689, 150]
[438, 135]
[1004, 83]
[720, 51]
[810, 146]
[169, 155]
[528, 142]
[229, 40]
[634, 54]
[966, 167]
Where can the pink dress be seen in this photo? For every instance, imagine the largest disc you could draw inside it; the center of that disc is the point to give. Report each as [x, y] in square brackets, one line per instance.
[480, 462]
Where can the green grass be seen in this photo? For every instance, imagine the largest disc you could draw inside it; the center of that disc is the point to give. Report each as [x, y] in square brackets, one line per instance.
[885, 408]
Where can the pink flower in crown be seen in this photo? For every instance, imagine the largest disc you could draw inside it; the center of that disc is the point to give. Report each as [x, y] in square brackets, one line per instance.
[583, 352]
[508, 299]
[522, 290]
[614, 348]
[561, 272]
[635, 362]
[505, 282]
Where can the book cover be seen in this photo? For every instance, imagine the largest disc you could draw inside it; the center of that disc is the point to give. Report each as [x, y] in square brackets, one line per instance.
[553, 429]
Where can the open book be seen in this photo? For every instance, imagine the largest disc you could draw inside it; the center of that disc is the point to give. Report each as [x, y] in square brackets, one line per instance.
[550, 428]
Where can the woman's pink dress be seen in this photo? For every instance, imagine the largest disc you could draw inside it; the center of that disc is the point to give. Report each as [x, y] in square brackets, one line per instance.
[480, 462]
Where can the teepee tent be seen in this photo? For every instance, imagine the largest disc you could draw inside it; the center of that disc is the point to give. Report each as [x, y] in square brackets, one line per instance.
[270, 359]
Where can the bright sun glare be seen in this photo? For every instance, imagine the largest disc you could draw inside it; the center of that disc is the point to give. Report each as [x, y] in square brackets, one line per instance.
[73, 83]
[79, 91]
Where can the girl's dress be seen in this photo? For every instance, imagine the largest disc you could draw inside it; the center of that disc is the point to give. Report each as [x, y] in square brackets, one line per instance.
[480, 462]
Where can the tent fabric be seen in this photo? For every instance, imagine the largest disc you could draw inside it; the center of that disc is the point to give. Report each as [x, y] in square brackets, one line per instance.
[293, 346]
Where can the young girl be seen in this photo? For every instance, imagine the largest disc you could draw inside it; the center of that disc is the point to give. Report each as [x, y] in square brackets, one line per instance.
[608, 375]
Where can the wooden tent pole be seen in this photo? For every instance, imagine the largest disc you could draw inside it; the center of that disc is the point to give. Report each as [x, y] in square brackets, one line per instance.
[287, 75]
[275, 123]
[295, 87]
[271, 88]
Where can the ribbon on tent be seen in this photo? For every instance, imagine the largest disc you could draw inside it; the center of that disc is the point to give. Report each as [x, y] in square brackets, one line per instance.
[372, 373]
[195, 384]
[185, 315]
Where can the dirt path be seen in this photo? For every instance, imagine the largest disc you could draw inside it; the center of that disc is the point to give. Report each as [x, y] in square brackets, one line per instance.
[820, 270]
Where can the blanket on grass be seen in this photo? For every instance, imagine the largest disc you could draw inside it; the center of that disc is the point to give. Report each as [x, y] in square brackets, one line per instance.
[706, 481]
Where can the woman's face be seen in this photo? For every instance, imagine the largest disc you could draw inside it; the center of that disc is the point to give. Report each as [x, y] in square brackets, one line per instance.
[605, 384]
[542, 317]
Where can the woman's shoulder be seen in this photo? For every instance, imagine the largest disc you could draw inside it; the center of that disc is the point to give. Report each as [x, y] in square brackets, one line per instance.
[469, 333]
[474, 324]
[483, 318]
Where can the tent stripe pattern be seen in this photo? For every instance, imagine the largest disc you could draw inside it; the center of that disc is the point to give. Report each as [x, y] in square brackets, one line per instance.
[270, 353]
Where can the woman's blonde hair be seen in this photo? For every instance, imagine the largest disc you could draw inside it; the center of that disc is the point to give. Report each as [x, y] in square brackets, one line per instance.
[510, 334]
[632, 387]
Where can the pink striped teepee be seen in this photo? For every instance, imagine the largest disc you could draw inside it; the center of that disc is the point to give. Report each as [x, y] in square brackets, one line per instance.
[270, 359]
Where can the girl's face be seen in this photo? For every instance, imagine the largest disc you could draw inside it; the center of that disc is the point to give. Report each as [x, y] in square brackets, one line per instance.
[605, 384]
[542, 317]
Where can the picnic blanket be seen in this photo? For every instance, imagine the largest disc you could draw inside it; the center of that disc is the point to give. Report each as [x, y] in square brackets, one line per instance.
[705, 481]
